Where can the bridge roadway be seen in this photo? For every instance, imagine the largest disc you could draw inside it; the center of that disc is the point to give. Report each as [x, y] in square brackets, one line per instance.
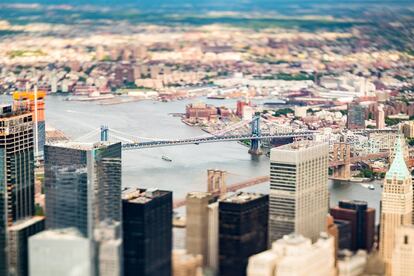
[356, 159]
[212, 139]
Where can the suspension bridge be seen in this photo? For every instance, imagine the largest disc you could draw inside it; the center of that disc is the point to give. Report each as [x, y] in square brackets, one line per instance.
[256, 130]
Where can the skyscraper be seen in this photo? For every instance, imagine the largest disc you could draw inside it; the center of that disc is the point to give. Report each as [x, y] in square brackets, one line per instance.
[33, 100]
[362, 220]
[397, 203]
[17, 174]
[243, 224]
[380, 118]
[82, 185]
[298, 190]
[147, 232]
[403, 254]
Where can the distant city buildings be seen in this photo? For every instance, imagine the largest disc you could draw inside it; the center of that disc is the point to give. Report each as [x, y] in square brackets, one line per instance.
[243, 224]
[298, 190]
[147, 232]
[356, 116]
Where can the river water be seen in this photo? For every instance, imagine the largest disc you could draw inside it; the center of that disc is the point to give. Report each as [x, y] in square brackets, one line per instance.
[145, 168]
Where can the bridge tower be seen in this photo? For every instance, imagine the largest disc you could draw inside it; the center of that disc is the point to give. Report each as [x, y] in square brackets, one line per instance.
[104, 133]
[342, 154]
[216, 182]
[255, 143]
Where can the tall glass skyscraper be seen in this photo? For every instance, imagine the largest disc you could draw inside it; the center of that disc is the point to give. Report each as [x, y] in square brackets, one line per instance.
[16, 174]
[82, 185]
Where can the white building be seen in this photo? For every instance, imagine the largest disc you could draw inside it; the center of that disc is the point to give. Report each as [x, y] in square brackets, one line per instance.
[298, 189]
[352, 264]
[295, 255]
[60, 252]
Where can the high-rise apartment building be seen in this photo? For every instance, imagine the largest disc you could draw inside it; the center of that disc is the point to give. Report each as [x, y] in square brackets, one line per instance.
[397, 204]
[295, 255]
[63, 252]
[243, 224]
[147, 232]
[403, 254]
[356, 116]
[408, 129]
[298, 189]
[82, 185]
[17, 176]
[362, 220]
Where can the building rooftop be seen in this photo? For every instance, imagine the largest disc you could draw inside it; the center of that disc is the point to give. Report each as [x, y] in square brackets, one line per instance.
[141, 196]
[241, 197]
[398, 167]
[198, 195]
[60, 234]
[298, 145]
[21, 224]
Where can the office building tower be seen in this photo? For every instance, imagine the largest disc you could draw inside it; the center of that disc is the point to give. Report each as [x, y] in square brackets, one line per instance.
[298, 189]
[17, 172]
[213, 237]
[380, 118]
[34, 101]
[185, 264]
[243, 224]
[147, 232]
[396, 204]
[362, 220]
[403, 254]
[197, 223]
[18, 247]
[82, 185]
[108, 238]
[295, 255]
[202, 227]
[356, 116]
[344, 234]
[63, 252]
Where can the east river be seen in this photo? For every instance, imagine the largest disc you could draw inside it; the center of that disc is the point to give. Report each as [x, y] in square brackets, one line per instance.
[187, 172]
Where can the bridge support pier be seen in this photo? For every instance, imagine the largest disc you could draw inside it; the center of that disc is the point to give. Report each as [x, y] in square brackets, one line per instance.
[255, 143]
[104, 133]
[216, 182]
[342, 152]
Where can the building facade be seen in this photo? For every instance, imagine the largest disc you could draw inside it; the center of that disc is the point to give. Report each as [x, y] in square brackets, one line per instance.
[82, 185]
[16, 174]
[397, 204]
[403, 254]
[298, 190]
[243, 224]
[362, 220]
[147, 232]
